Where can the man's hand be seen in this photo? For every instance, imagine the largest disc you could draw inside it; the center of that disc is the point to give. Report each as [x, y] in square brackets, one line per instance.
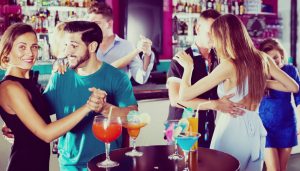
[144, 45]
[226, 106]
[7, 134]
[97, 99]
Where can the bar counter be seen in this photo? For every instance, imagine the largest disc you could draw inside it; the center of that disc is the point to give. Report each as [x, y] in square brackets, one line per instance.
[150, 91]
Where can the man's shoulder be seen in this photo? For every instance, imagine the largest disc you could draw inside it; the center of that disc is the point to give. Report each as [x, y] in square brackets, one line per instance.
[124, 43]
[114, 72]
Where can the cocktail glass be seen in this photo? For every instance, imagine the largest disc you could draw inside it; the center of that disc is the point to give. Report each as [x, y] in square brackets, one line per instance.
[170, 126]
[133, 129]
[186, 141]
[107, 130]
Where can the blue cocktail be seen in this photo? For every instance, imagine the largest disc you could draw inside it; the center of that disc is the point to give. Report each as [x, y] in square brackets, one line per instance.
[186, 142]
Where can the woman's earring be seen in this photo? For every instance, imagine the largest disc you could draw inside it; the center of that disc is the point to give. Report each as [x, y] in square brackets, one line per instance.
[5, 59]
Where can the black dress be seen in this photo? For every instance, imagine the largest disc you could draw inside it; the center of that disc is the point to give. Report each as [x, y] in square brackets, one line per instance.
[28, 151]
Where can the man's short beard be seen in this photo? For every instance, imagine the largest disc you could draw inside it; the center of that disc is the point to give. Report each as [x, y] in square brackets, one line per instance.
[81, 60]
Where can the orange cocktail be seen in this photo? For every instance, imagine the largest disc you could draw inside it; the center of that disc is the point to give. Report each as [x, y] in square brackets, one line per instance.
[107, 130]
[133, 129]
[193, 127]
[108, 134]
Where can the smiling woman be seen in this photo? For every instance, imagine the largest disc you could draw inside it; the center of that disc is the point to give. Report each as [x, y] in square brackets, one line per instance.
[16, 49]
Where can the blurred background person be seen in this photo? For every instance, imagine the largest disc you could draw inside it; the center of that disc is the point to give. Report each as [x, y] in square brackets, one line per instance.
[277, 112]
[119, 52]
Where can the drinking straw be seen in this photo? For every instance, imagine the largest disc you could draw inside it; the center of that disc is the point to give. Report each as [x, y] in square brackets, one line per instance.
[182, 106]
[109, 114]
[201, 104]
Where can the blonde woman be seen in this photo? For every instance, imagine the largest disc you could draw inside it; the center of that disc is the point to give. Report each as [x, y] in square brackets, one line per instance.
[277, 112]
[243, 71]
[57, 48]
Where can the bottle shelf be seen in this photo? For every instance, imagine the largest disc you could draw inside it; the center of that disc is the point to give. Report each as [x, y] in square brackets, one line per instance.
[55, 8]
[183, 15]
[261, 13]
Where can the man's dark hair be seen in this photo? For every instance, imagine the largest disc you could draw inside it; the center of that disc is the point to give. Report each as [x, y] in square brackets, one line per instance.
[101, 8]
[90, 31]
[210, 13]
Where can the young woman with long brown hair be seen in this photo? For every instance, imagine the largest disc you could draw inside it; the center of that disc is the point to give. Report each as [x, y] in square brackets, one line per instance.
[243, 71]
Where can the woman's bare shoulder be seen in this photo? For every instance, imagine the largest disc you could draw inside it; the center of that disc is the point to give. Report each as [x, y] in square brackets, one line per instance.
[9, 87]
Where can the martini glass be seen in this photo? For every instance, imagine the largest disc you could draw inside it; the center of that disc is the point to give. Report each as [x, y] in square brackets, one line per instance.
[171, 125]
[186, 141]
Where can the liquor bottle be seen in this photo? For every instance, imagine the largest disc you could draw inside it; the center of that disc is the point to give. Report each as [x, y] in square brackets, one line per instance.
[174, 6]
[179, 6]
[175, 29]
[67, 3]
[198, 7]
[222, 7]
[232, 5]
[209, 4]
[242, 7]
[39, 23]
[218, 5]
[203, 5]
[44, 23]
[226, 7]
[194, 7]
[56, 19]
[186, 7]
[62, 2]
[87, 3]
[190, 8]
[237, 8]
[214, 4]
[30, 2]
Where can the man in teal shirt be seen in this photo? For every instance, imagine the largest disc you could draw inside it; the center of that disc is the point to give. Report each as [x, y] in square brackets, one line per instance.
[69, 91]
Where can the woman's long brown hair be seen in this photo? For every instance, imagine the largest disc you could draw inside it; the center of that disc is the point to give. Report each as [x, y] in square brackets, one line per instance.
[232, 41]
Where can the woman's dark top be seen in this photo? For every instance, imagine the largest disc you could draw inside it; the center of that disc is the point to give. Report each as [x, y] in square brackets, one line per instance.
[28, 151]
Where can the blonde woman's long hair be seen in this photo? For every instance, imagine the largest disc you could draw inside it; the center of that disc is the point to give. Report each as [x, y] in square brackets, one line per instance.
[56, 41]
[232, 41]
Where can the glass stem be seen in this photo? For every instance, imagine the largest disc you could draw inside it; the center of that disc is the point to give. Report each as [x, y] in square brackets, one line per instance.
[186, 157]
[107, 148]
[133, 143]
[176, 148]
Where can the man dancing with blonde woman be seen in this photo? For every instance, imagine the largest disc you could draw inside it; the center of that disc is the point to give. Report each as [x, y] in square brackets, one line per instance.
[243, 71]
